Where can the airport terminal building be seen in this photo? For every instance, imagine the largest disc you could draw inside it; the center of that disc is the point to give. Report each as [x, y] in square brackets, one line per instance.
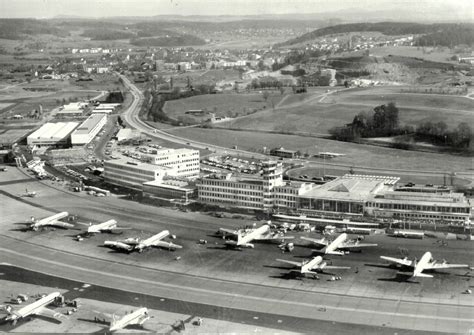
[265, 193]
[132, 174]
[349, 195]
[185, 161]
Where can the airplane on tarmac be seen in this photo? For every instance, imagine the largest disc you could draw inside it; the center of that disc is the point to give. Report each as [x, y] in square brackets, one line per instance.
[311, 266]
[131, 244]
[426, 262]
[30, 194]
[244, 237]
[52, 220]
[333, 248]
[138, 317]
[104, 227]
[36, 308]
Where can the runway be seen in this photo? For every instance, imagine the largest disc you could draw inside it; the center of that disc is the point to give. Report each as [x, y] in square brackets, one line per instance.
[230, 280]
[254, 298]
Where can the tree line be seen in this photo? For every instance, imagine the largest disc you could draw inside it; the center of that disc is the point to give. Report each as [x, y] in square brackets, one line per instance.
[383, 121]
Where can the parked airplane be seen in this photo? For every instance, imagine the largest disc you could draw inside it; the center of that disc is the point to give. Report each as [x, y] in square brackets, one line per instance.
[131, 244]
[245, 236]
[138, 317]
[426, 262]
[333, 248]
[52, 220]
[311, 266]
[104, 227]
[36, 308]
[30, 194]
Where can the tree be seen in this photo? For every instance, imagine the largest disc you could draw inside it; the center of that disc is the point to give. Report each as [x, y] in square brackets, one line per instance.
[265, 95]
[282, 90]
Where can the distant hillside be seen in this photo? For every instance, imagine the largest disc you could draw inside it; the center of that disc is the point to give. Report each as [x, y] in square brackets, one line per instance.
[108, 34]
[16, 29]
[449, 37]
[437, 32]
[168, 41]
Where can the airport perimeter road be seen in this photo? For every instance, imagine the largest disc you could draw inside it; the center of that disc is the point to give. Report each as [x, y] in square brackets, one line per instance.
[250, 297]
[131, 117]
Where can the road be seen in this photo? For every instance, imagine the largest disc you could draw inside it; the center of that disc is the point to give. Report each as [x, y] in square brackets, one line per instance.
[131, 117]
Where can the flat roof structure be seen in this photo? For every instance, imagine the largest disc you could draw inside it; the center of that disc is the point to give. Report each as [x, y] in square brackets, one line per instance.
[88, 129]
[350, 188]
[50, 133]
[89, 124]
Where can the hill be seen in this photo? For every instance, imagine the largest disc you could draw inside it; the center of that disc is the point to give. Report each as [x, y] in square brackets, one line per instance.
[432, 34]
[16, 29]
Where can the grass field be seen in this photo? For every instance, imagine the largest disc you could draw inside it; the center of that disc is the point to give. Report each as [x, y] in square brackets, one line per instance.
[356, 154]
[303, 114]
[229, 104]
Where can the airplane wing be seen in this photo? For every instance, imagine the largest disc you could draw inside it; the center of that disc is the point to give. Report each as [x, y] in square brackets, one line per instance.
[401, 261]
[321, 242]
[228, 231]
[274, 237]
[289, 262]
[444, 265]
[336, 267]
[49, 313]
[60, 224]
[356, 245]
[168, 245]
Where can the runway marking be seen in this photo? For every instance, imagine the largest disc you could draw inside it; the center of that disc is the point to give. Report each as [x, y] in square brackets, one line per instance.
[210, 292]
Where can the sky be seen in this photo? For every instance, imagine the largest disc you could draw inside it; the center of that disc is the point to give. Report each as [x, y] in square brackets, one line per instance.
[106, 8]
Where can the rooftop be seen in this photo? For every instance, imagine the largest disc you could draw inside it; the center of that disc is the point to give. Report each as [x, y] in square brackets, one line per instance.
[57, 130]
[348, 188]
[90, 123]
[136, 164]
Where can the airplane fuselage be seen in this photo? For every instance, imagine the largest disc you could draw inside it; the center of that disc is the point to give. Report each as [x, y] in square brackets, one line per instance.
[48, 220]
[137, 317]
[312, 264]
[33, 307]
[334, 245]
[110, 224]
[422, 263]
[151, 240]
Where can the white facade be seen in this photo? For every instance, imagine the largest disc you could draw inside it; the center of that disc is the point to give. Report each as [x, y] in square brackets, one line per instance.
[124, 133]
[88, 129]
[185, 161]
[267, 192]
[52, 134]
[132, 174]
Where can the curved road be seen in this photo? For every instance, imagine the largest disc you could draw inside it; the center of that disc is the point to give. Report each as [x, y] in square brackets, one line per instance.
[131, 117]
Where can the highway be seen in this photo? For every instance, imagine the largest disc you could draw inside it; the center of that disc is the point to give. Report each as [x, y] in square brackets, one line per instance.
[131, 117]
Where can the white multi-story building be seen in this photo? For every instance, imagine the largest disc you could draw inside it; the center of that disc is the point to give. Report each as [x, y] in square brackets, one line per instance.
[88, 129]
[52, 134]
[185, 161]
[132, 174]
[268, 192]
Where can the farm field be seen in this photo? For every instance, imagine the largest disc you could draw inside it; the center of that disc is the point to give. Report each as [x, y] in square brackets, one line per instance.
[49, 102]
[221, 104]
[306, 115]
[442, 55]
[356, 154]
